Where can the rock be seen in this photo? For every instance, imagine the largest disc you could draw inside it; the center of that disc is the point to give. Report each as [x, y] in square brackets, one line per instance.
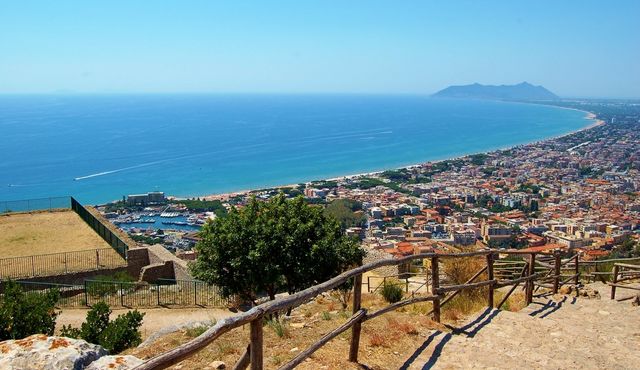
[589, 292]
[218, 365]
[566, 289]
[41, 352]
[294, 349]
[636, 301]
[297, 325]
[115, 362]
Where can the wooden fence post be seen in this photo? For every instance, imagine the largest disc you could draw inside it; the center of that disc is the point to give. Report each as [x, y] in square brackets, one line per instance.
[556, 271]
[532, 270]
[490, 277]
[357, 327]
[577, 272]
[256, 344]
[435, 285]
[616, 268]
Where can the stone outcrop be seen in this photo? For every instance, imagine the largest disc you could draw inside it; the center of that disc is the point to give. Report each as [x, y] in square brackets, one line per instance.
[41, 352]
[115, 362]
[48, 353]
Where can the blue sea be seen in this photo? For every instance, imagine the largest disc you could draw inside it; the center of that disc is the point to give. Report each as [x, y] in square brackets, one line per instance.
[101, 147]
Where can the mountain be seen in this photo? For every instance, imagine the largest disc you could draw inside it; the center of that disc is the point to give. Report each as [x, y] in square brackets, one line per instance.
[521, 91]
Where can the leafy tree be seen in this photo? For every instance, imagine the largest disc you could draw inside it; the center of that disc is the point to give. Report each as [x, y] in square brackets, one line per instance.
[23, 314]
[278, 245]
[344, 210]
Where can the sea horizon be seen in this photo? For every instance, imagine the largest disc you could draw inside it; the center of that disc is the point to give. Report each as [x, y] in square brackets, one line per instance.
[193, 145]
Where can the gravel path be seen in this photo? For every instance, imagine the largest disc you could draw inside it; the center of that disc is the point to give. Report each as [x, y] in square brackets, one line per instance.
[561, 332]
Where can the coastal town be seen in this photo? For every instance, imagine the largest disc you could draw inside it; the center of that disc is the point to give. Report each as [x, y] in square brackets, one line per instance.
[577, 193]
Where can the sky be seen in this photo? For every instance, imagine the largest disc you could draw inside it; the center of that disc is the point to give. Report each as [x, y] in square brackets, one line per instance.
[574, 48]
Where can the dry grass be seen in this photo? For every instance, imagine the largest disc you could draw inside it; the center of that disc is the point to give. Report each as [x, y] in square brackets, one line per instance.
[386, 342]
[26, 234]
[32, 244]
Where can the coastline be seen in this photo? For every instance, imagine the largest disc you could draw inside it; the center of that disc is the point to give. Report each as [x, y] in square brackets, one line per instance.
[224, 196]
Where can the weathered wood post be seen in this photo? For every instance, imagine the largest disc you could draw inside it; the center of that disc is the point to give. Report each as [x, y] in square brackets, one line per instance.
[556, 271]
[256, 344]
[490, 277]
[616, 268]
[357, 327]
[435, 285]
[532, 265]
[576, 279]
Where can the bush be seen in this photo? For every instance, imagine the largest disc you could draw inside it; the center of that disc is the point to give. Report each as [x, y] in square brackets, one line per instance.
[23, 314]
[279, 327]
[104, 285]
[115, 336]
[392, 292]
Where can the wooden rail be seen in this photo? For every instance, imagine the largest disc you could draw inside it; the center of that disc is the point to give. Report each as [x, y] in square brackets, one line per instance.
[253, 356]
[631, 272]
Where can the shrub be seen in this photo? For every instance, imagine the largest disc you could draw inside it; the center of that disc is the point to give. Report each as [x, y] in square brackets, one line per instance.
[392, 292]
[326, 315]
[278, 327]
[104, 285]
[115, 336]
[196, 331]
[122, 333]
[23, 314]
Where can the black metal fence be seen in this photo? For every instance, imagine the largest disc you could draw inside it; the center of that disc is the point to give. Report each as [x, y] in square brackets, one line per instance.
[61, 263]
[70, 295]
[164, 293]
[28, 205]
[102, 230]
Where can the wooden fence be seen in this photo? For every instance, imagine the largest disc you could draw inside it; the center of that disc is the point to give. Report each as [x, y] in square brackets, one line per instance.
[530, 272]
[624, 272]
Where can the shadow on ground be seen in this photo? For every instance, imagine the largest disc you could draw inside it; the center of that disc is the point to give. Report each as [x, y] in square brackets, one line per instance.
[439, 339]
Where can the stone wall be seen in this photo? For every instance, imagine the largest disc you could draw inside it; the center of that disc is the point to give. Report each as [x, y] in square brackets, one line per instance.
[151, 273]
[374, 255]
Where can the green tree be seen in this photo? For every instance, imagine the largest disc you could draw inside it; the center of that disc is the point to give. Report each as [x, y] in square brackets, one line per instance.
[344, 210]
[23, 314]
[278, 245]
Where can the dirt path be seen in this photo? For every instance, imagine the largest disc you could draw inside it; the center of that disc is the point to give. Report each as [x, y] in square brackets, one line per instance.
[552, 333]
[154, 320]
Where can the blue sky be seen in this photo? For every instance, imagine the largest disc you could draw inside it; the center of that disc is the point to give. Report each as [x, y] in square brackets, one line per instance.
[574, 48]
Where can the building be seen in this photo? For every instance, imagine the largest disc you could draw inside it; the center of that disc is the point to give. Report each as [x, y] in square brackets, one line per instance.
[495, 232]
[155, 197]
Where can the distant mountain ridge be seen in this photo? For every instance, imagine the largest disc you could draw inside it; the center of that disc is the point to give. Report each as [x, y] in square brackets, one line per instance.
[521, 91]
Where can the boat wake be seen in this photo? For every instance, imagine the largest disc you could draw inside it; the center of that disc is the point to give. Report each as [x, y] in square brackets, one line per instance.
[116, 171]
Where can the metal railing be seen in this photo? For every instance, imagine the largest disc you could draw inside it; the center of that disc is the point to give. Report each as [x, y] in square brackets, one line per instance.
[163, 293]
[99, 227]
[70, 295]
[29, 205]
[60, 263]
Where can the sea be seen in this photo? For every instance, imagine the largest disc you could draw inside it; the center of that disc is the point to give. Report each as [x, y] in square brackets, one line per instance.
[99, 148]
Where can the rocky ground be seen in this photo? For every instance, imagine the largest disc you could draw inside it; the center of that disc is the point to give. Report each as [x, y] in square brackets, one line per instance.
[554, 332]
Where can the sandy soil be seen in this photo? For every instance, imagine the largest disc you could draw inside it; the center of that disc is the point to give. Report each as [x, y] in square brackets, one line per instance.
[26, 234]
